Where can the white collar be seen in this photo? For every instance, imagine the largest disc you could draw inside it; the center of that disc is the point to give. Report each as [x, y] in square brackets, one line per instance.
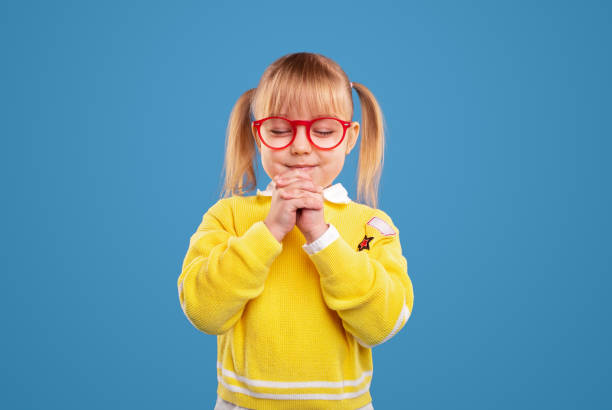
[335, 193]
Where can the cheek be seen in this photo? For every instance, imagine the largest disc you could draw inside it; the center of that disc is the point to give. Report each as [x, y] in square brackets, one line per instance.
[339, 163]
[333, 163]
[272, 162]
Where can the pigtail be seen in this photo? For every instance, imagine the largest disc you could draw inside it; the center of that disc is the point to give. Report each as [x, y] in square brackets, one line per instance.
[372, 147]
[239, 149]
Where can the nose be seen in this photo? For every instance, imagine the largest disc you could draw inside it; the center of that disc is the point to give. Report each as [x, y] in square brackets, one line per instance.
[301, 144]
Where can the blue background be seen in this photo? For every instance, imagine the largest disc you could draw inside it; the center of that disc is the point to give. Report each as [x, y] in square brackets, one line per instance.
[496, 172]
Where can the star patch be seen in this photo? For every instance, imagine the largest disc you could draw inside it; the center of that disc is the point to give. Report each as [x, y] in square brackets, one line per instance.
[365, 243]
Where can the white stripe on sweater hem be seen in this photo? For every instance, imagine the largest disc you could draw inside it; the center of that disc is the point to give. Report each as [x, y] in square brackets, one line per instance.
[290, 385]
[296, 396]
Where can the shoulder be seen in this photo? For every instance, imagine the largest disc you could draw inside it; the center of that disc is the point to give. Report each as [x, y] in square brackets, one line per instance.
[220, 208]
[220, 214]
[226, 203]
[221, 211]
[236, 206]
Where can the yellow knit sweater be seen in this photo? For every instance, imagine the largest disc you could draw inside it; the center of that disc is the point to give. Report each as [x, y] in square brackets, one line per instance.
[295, 330]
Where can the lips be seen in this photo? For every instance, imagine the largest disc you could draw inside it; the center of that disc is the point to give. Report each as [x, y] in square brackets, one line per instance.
[301, 166]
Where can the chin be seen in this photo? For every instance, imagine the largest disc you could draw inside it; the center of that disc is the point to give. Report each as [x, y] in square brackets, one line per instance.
[309, 170]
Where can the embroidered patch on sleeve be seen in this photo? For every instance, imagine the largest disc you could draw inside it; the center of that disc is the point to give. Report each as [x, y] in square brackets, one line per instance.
[383, 227]
[365, 243]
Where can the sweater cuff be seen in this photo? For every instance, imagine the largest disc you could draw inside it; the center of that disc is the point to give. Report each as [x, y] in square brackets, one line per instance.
[268, 248]
[323, 241]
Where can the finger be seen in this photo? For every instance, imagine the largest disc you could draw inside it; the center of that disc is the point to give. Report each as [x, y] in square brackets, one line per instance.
[296, 191]
[308, 202]
[299, 184]
[299, 193]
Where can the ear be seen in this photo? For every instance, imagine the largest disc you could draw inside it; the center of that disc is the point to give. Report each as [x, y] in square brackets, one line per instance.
[351, 135]
[254, 133]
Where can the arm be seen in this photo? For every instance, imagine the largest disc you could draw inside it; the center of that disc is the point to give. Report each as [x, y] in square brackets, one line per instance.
[370, 289]
[222, 271]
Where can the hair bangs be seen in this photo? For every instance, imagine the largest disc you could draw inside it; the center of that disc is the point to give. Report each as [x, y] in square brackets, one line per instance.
[319, 92]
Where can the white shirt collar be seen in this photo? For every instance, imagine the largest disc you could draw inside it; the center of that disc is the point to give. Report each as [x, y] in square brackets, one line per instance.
[335, 193]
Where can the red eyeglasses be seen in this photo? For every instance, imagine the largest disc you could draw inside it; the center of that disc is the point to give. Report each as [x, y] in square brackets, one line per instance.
[325, 133]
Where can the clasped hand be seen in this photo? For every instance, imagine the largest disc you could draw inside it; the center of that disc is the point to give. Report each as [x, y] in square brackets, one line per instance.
[296, 201]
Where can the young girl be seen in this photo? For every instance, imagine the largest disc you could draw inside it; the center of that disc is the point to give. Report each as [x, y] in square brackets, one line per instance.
[298, 281]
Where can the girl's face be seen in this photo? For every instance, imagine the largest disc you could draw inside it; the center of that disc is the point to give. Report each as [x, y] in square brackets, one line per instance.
[322, 165]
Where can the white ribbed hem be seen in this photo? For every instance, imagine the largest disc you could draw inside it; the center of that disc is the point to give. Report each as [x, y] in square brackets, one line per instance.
[319, 244]
[295, 396]
[366, 377]
[295, 385]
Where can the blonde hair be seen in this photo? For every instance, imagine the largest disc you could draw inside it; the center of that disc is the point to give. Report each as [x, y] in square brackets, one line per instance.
[317, 82]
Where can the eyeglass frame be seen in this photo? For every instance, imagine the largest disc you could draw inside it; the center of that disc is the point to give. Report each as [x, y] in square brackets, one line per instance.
[294, 123]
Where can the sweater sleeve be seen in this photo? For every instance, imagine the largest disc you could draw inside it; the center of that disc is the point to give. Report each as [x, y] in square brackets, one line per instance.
[370, 288]
[221, 271]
